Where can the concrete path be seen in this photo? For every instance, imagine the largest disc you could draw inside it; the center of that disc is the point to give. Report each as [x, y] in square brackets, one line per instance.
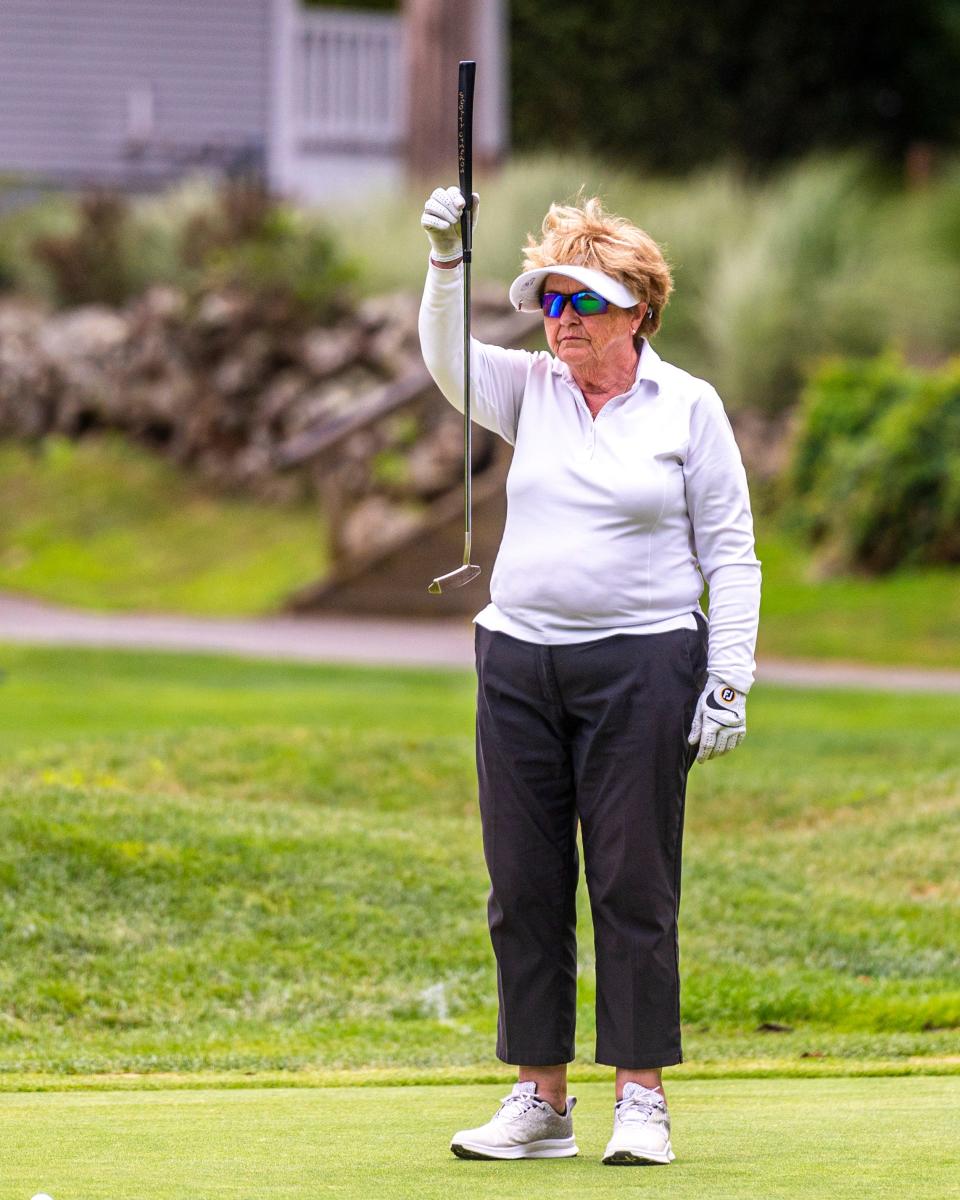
[440, 643]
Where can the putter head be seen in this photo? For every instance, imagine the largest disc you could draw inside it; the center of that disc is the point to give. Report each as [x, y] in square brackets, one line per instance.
[454, 579]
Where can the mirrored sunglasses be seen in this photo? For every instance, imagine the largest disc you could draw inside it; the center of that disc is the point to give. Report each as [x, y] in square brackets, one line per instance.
[585, 304]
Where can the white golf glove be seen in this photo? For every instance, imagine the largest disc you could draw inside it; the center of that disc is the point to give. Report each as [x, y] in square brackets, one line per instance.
[720, 722]
[441, 220]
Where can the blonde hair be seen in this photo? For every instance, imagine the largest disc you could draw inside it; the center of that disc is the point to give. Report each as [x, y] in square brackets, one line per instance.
[583, 235]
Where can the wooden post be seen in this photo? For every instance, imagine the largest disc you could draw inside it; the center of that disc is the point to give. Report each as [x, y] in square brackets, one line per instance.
[439, 33]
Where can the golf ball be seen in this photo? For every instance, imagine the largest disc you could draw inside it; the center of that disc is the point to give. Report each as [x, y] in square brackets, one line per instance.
[42, 1196]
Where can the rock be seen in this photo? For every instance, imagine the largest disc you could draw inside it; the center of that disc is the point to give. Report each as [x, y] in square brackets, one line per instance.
[220, 310]
[21, 320]
[280, 396]
[216, 383]
[253, 462]
[332, 399]
[245, 369]
[27, 404]
[149, 401]
[391, 308]
[435, 462]
[393, 350]
[159, 303]
[27, 388]
[327, 351]
[373, 523]
[88, 333]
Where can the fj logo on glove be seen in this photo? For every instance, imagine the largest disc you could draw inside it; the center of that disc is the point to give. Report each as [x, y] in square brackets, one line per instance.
[720, 722]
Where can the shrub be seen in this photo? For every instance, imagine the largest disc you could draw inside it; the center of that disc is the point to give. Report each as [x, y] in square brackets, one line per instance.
[875, 474]
[8, 270]
[291, 261]
[90, 263]
[102, 249]
[239, 212]
[673, 86]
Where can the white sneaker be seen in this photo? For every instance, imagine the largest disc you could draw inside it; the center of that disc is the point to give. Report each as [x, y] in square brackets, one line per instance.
[524, 1126]
[641, 1129]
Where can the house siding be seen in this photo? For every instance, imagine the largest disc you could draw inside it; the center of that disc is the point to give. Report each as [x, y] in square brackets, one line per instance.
[126, 90]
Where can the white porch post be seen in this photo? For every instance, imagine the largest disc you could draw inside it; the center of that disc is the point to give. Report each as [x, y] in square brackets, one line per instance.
[281, 118]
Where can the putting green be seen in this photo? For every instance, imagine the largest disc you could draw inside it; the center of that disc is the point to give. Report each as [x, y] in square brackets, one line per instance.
[760, 1138]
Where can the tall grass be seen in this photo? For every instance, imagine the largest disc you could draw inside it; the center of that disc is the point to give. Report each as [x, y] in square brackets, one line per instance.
[828, 256]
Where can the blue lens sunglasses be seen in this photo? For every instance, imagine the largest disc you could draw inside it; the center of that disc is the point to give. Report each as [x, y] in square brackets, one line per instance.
[585, 304]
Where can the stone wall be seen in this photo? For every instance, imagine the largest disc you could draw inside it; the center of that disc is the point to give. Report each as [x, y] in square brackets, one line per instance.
[220, 383]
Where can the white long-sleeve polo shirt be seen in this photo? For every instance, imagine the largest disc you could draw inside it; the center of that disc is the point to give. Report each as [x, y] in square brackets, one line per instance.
[614, 522]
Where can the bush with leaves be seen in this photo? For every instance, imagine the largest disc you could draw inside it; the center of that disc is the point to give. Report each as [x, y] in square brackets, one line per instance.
[107, 250]
[91, 263]
[287, 260]
[874, 480]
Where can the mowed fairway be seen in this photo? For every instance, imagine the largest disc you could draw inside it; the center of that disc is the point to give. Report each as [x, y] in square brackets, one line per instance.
[217, 874]
[222, 867]
[769, 1138]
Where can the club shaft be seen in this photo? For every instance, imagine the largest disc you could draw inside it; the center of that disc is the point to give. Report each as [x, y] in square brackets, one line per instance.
[468, 70]
[467, 424]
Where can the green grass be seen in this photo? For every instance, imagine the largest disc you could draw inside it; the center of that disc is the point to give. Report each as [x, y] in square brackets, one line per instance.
[910, 617]
[778, 1139]
[214, 865]
[104, 524]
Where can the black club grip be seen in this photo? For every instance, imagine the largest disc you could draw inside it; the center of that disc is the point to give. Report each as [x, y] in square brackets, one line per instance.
[468, 74]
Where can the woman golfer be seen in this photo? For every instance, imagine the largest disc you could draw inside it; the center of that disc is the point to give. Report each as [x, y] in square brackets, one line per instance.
[597, 677]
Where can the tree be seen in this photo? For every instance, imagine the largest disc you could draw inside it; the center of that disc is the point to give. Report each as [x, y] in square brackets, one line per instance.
[438, 35]
[672, 86]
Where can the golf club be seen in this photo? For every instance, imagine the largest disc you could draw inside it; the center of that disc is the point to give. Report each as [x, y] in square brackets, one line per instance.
[468, 70]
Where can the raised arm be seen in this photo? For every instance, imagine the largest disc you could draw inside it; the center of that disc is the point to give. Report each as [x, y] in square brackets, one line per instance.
[497, 376]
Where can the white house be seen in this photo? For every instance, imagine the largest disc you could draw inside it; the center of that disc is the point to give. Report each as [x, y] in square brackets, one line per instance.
[135, 93]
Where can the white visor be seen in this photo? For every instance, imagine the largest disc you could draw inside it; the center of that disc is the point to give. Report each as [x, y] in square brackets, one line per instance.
[525, 289]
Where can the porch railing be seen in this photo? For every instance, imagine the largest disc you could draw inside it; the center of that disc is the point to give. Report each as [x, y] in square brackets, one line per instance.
[348, 81]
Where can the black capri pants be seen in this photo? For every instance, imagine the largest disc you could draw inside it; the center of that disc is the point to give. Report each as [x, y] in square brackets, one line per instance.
[594, 732]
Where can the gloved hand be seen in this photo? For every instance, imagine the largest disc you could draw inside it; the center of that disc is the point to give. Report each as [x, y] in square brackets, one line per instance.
[720, 722]
[441, 220]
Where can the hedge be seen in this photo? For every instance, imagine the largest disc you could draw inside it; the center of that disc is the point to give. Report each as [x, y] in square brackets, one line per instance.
[874, 480]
